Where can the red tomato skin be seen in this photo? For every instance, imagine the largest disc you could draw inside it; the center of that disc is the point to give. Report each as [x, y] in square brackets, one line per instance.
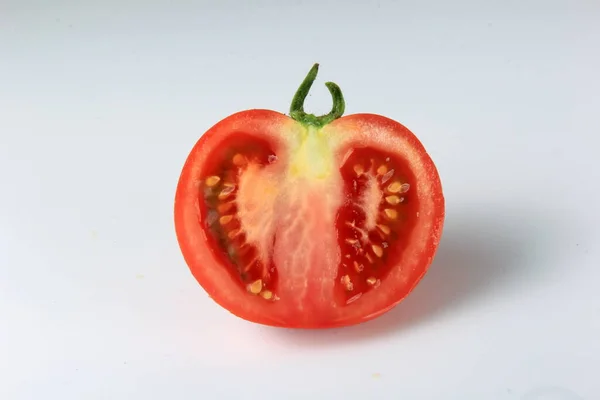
[219, 284]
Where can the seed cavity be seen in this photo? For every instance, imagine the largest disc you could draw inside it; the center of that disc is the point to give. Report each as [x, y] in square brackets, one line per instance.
[347, 283]
[219, 190]
[371, 220]
[391, 213]
[212, 180]
[255, 287]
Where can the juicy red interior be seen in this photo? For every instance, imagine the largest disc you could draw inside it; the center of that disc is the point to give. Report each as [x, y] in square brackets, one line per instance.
[219, 210]
[366, 254]
[362, 266]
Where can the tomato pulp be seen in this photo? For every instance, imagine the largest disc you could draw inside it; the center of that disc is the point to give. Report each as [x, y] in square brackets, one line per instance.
[308, 222]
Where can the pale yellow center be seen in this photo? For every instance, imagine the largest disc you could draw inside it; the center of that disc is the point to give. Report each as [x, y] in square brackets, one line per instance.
[312, 155]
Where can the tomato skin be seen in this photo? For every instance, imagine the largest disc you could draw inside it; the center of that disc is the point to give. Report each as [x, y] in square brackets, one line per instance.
[202, 259]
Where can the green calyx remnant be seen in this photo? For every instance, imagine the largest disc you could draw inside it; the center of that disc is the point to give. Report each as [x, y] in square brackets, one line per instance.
[297, 107]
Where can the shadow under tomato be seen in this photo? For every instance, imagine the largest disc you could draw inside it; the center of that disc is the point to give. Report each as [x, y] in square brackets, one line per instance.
[478, 255]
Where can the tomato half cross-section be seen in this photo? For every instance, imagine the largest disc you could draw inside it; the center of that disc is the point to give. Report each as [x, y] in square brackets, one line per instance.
[307, 221]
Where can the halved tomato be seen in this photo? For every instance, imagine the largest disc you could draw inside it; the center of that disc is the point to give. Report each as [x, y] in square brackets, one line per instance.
[308, 222]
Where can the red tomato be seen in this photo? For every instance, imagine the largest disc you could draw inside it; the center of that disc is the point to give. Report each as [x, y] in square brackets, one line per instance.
[308, 222]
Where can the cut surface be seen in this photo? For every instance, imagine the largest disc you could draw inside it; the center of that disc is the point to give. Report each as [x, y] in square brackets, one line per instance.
[293, 226]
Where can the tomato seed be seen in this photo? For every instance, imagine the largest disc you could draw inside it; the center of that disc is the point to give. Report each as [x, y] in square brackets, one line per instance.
[233, 233]
[353, 298]
[266, 294]
[388, 175]
[224, 220]
[393, 200]
[359, 169]
[239, 160]
[212, 180]
[255, 287]
[384, 228]
[347, 283]
[391, 213]
[354, 243]
[377, 250]
[394, 187]
[227, 190]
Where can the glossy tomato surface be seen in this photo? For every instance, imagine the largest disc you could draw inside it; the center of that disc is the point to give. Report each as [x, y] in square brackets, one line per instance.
[293, 222]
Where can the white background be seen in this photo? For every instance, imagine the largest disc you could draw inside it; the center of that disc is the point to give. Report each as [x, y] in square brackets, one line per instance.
[101, 101]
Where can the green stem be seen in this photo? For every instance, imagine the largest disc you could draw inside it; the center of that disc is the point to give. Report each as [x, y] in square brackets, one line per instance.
[297, 108]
